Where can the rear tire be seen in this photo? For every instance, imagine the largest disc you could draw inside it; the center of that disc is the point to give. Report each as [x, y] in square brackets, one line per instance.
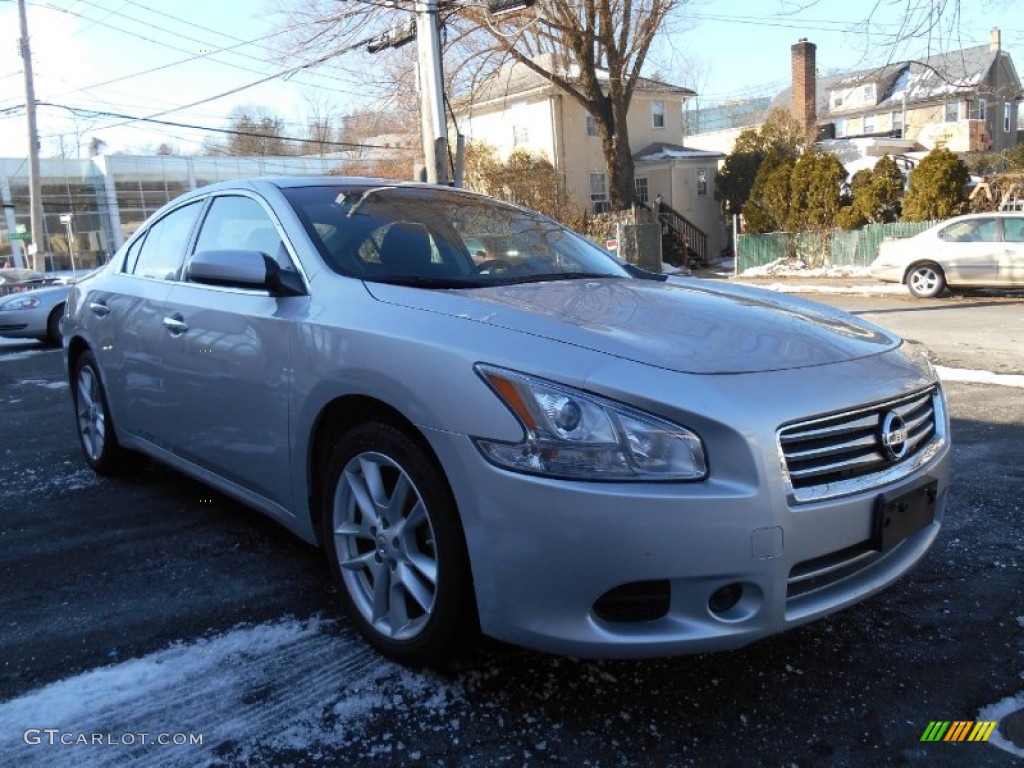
[96, 432]
[926, 280]
[395, 545]
[53, 332]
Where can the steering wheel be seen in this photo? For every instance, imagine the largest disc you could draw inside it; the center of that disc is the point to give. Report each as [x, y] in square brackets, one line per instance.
[487, 265]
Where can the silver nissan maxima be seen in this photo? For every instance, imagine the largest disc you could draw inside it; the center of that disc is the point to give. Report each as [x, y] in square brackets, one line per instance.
[486, 421]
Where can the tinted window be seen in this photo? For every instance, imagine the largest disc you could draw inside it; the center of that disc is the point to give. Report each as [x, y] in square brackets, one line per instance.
[163, 250]
[236, 222]
[1013, 230]
[971, 231]
[132, 256]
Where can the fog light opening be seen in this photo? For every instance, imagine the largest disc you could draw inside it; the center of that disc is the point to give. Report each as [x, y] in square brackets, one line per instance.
[725, 598]
[637, 601]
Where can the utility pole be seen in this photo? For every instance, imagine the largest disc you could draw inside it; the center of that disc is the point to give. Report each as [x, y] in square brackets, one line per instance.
[34, 184]
[433, 126]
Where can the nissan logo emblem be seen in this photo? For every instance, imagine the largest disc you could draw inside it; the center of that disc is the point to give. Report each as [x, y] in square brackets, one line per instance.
[894, 436]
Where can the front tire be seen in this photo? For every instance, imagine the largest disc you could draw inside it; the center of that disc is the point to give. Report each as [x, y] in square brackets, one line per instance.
[395, 545]
[926, 281]
[53, 332]
[92, 417]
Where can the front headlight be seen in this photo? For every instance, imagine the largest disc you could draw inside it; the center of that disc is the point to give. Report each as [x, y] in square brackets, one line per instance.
[574, 434]
[25, 302]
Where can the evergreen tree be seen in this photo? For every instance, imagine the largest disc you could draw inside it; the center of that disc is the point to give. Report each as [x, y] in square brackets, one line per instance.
[816, 188]
[936, 187]
[767, 209]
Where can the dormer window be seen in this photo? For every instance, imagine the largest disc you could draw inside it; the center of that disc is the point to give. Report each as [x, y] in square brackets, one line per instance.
[836, 99]
[868, 94]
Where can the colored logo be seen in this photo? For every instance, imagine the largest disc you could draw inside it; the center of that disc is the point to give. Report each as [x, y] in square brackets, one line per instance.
[894, 436]
[958, 730]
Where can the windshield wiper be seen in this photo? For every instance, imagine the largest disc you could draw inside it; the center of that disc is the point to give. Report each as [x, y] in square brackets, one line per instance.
[551, 276]
[424, 282]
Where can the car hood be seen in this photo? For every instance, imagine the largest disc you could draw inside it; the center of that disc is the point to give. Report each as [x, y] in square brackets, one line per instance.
[688, 326]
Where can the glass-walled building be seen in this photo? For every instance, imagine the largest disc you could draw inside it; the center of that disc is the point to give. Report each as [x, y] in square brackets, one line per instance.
[109, 196]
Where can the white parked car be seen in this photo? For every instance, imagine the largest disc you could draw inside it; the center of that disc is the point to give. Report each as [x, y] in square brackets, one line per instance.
[977, 250]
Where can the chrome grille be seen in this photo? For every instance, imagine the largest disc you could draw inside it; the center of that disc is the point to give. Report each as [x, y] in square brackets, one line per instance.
[838, 454]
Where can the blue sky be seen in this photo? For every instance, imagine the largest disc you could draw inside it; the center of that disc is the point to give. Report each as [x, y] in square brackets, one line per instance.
[725, 50]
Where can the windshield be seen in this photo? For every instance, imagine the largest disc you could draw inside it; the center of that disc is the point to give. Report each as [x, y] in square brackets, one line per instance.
[441, 238]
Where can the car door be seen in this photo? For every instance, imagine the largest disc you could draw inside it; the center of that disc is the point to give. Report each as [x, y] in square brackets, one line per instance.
[1011, 261]
[970, 251]
[228, 358]
[124, 321]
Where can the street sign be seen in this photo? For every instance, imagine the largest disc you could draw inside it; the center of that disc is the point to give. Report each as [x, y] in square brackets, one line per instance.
[25, 236]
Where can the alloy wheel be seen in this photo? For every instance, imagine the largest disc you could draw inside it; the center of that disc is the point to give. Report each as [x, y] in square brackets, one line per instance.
[385, 545]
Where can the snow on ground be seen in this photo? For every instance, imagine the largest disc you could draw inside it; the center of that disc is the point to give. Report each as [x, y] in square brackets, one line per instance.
[998, 711]
[867, 289]
[798, 268]
[22, 354]
[969, 376]
[288, 685]
[54, 478]
[41, 383]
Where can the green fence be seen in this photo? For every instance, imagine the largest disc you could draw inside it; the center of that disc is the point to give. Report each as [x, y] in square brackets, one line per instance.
[838, 248]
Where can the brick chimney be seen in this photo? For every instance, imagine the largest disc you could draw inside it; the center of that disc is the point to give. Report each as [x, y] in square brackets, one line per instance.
[995, 41]
[805, 108]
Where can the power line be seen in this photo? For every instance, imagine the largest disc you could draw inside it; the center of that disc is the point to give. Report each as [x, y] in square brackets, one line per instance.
[228, 131]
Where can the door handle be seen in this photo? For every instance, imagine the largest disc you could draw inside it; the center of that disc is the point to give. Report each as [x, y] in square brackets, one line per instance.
[99, 309]
[175, 324]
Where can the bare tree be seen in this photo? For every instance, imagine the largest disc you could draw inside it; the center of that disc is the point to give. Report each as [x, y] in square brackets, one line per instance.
[593, 50]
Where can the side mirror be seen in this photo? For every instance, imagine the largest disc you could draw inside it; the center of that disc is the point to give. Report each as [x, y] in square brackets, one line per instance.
[242, 269]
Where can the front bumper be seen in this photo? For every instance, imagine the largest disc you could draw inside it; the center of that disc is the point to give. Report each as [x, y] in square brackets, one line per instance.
[544, 552]
[887, 273]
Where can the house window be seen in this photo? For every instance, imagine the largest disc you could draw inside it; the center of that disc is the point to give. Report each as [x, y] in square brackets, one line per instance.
[1007, 115]
[976, 109]
[869, 94]
[658, 114]
[520, 135]
[897, 122]
[599, 192]
[952, 112]
[840, 128]
[869, 123]
[640, 186]
[702, 182]
[837, 99]
[592, 127]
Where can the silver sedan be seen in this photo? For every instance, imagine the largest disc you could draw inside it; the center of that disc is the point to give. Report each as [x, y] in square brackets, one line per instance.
[567, 453]
[33, 314]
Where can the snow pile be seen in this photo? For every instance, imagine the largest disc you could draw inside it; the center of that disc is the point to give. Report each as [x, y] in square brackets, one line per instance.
[787, 267]
[969, 376]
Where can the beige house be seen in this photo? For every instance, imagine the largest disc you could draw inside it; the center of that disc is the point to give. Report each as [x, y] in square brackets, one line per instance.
[518, 109]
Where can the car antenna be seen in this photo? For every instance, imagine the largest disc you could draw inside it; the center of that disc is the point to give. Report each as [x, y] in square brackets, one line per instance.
[361, 200]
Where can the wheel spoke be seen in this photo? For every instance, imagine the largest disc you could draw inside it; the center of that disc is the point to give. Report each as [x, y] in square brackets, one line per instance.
[381, 591]
[424, 565]
[397, 502]
[363, 498]
[398, 616]
[359, 562]
[370, 471]
[419, 592]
